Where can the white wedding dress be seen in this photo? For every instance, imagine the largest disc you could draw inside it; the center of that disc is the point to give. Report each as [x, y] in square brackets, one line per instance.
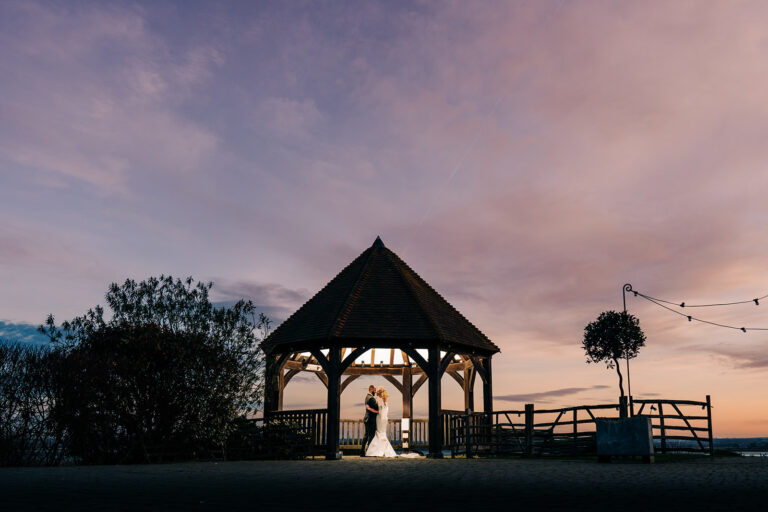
[380, 446]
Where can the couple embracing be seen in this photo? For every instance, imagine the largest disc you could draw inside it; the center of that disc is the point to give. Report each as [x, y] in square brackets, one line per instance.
[375, 443]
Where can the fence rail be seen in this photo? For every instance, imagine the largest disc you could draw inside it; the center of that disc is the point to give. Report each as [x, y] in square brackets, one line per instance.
[313, 422]
[529, 431]
[685, 423]
[352, 432]
[572, 431]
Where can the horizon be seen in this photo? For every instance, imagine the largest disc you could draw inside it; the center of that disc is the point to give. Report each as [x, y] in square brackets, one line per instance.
[525, 159]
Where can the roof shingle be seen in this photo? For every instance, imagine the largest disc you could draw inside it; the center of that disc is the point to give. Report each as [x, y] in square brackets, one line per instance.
[378, 296]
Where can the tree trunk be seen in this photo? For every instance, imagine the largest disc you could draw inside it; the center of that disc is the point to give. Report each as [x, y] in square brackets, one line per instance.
[621, 379]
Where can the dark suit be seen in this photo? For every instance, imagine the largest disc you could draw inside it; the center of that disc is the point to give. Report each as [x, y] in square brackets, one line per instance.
[369, 420]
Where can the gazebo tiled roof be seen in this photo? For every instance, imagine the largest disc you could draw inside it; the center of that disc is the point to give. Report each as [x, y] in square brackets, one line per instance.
[378, 297]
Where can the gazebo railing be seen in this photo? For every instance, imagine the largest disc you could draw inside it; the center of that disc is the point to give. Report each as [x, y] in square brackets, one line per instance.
[313, 421]
[351, 433]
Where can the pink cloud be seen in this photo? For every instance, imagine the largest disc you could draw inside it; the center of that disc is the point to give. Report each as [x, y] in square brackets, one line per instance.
[527, 159]
[92, 97]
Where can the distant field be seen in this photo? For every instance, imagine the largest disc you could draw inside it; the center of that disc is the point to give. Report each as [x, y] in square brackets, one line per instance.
[742, 443]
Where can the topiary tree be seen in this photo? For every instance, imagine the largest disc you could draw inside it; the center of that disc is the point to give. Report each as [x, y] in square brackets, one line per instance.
[611, 337]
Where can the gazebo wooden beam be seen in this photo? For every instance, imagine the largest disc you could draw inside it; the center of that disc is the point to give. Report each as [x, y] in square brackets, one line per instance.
[434, 372]
[346, 382]
[378, 370]
[478, 363]
[394, 382]
[371, 370]
[417, 385]
[417, 358]
[289, 375]
[350, 359]
[321, 359]
[445, 362]
[458, 378]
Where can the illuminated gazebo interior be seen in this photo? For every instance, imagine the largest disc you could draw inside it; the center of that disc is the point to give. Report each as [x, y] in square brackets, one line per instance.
[378, 317]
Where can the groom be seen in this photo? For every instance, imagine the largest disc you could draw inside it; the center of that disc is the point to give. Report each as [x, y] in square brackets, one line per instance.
[371, 411]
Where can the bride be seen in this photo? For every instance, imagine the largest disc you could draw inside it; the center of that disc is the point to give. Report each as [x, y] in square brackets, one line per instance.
[380, 446]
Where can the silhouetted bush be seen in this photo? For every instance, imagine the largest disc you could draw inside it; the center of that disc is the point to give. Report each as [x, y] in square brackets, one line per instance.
[274, 439]
[28, 435]
[164, 379]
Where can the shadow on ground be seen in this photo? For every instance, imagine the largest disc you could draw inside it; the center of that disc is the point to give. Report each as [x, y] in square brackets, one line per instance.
[373, 484]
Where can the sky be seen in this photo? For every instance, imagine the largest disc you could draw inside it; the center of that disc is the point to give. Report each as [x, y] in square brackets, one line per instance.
[526, 158]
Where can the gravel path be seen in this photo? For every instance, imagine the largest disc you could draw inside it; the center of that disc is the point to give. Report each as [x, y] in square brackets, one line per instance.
[403, 484]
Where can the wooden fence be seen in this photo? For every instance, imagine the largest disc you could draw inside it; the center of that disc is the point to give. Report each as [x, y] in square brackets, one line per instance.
[528, 432]
[688, 432]
[351, 432]
[312, 422]
[571, 430]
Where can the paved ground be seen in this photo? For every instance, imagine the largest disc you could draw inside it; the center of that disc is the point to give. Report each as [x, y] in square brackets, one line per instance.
[399, 485]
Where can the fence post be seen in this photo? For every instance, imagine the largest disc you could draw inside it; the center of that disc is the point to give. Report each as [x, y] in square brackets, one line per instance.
[662, 430]
[452, 437]
[631, 406]
[528, 429]
[575, 431]
[468, 434]
[709, 427]
[495, 433]
[313, 430]
[622, 406]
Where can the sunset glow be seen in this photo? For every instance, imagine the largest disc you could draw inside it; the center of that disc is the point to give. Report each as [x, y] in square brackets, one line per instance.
[526, 159]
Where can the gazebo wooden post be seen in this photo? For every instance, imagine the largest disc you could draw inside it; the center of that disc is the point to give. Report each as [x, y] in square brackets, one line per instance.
[407, 392]
[408, 399]
[333, 371]
[280, 388]
[488, 386]
[271, 382]
[435, 425]
[469, 386]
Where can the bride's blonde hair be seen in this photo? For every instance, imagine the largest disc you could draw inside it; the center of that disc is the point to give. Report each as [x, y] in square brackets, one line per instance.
[383, 393]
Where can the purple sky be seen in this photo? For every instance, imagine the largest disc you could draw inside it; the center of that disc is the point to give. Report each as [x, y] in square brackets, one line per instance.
[526, 158]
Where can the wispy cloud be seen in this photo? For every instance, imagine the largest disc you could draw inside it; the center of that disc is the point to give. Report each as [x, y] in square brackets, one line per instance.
[544, 396]
[553, 150]
[277, 302]
[267, 294]
[741, 357]
[92, 95]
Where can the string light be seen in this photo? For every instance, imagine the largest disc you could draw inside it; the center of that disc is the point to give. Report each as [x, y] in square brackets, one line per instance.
[662, 303]
[684, 305]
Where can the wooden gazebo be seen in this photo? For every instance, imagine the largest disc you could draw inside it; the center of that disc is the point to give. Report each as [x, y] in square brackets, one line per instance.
[378, 306]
